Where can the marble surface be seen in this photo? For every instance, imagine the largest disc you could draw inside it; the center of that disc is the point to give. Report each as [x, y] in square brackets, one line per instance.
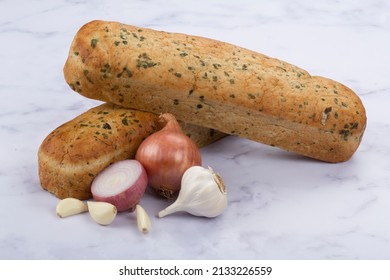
[281, 206]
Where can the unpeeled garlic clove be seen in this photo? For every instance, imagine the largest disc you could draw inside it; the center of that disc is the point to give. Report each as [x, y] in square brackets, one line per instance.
[202, 193]
[70, 206]
[103, 213]
[143, 220]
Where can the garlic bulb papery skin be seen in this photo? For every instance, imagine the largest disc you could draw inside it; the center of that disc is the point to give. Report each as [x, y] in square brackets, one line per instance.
[202, 193]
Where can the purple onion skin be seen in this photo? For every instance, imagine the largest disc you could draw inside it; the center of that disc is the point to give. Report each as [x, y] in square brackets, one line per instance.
[128, 199]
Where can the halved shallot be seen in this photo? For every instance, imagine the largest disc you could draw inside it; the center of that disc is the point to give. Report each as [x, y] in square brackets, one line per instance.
[122, 184]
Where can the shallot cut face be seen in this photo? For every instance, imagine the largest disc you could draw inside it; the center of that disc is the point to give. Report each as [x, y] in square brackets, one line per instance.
[122, 184]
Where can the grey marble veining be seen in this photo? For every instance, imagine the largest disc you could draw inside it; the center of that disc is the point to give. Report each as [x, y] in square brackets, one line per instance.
[281, 206]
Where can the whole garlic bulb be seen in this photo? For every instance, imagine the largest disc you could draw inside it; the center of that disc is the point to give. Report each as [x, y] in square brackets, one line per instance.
[202, 193]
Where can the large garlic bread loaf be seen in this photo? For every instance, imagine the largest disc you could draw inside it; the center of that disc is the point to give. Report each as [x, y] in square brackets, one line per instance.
[217, 85]
[72, 155]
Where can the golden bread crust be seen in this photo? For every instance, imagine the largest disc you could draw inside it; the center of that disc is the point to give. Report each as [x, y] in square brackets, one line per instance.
[217, 85]
[72, 155]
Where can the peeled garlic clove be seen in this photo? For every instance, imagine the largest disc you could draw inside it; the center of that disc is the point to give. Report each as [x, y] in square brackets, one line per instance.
[143, 220]
[103, 213]
[70, 206]
[202, 193]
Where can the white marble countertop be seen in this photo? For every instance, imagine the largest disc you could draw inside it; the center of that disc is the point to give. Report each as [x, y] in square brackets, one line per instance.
[281, 206]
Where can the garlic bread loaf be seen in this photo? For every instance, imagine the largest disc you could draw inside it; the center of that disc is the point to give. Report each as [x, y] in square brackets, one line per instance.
[217, 85]
[72, 155]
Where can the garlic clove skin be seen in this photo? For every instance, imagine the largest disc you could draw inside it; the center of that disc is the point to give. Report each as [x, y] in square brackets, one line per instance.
[143, 220]
[69, 207]
[103, 213]
[202, 193]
